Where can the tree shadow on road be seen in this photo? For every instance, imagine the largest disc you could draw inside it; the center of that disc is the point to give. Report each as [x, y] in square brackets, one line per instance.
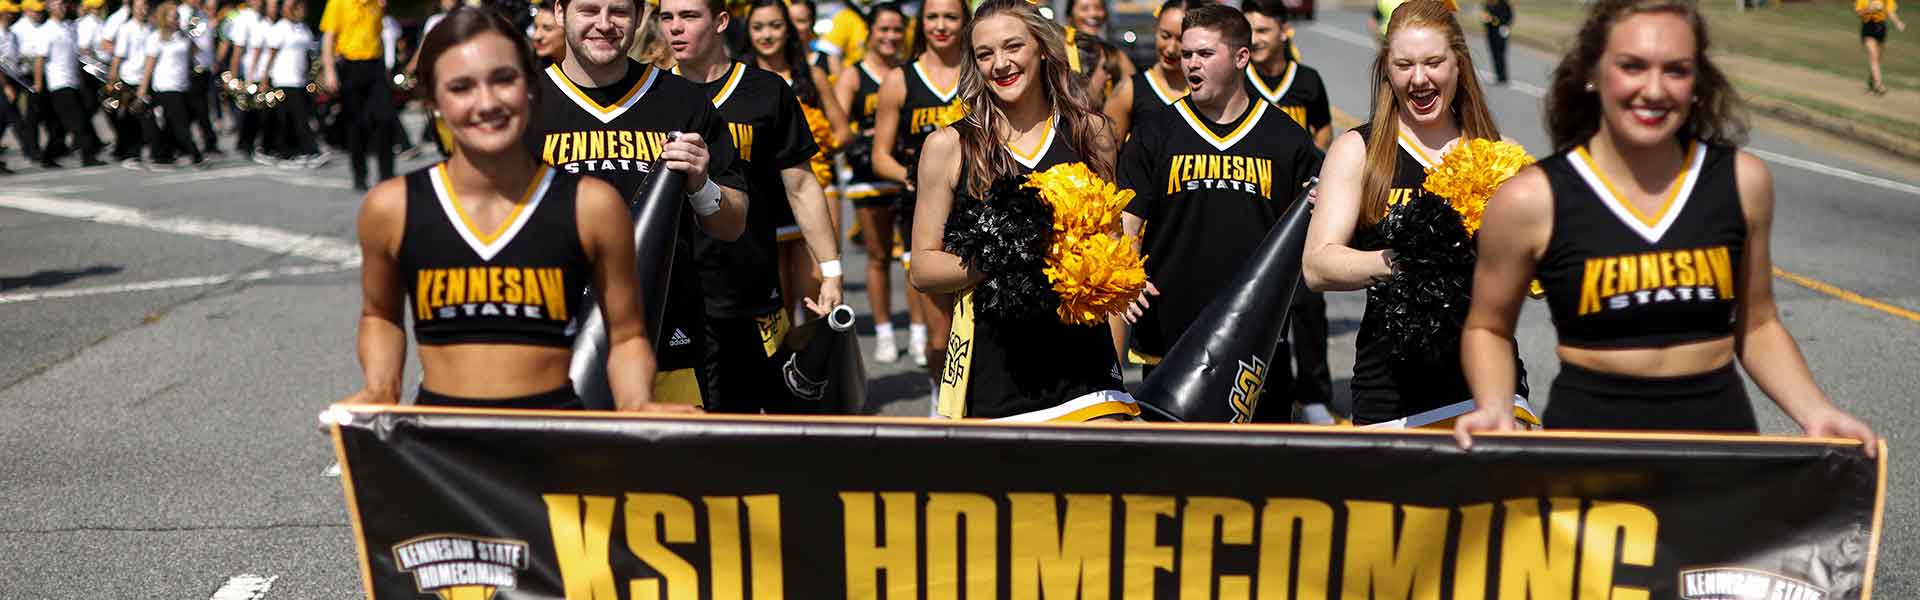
[56, 277]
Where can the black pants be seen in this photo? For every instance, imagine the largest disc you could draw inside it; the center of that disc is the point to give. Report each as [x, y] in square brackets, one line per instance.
[366, 95]
[168, 131]
[560, 398]
[200, 107]
[40, 111]
[1307, 332]
[295, 117]
[1497, 47]
[70, 105]
[1712, 401]
[741, 378]
[25, 131]
[129, 133]
[250, 121]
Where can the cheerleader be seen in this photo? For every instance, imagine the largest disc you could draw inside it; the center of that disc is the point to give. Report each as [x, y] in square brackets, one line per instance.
[1426, 99]
[801, 13]
[1088, 17]
[1650, 231]
[169, 66]
[287, 63]
[1025, 114]
[874, 197]
[549, 39]
[914, 101]
[129, 68]
[566, 231]
[777, 47]
[1148, 91]
[1874, 16]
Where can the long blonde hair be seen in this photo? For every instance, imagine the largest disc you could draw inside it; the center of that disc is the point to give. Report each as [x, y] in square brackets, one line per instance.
[1469, 104]
[980, 144]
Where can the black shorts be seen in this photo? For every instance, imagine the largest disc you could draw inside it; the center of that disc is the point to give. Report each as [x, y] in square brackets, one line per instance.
[868, 194]
[742, 376]
[1712, 401]
[560, 398]
[1874, 29]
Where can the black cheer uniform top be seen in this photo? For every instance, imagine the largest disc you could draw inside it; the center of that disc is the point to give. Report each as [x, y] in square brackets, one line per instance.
[1297, 91]
[864, 183]
[521, 283]
[1150, 95]
[924, 110]
[1617, 278]
[1009, 368]
[1385, 388]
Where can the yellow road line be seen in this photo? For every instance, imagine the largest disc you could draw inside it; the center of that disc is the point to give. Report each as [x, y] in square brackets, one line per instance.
[1831, 290]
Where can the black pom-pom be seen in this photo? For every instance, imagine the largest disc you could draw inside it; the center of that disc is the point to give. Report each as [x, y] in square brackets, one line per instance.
[1425, 303]
[1005, 236]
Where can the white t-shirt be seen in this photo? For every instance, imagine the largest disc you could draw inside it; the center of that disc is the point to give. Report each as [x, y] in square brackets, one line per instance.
[237, 33]
[9, 53]
[55, 43]
[389, 38]
[110, 28]
[87, 34]
[26, 37]
[173, 63]
[294, 41]
[257, 37]
[203, 45]
[130, 48]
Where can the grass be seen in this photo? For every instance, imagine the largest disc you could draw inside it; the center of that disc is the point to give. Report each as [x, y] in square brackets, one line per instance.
[1819, 34]
[1899, 128]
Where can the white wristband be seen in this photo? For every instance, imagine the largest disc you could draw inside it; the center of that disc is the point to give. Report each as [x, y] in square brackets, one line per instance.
[830, 268]
[706, 201]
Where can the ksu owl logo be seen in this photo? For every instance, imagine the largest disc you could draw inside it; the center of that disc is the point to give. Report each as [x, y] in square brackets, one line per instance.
[1247, 381]
[459, 567]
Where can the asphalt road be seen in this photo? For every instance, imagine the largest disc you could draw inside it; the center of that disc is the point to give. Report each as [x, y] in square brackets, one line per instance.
[166, 339]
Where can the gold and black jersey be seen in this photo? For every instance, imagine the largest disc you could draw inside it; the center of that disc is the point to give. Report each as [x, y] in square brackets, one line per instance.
[615, 133]
[925, 109]
[1385, 388]
[742, 277]
[999, 368]
[1296, 91]
[1150, 95]
[1208, 193]
[1620, 278]
[520, 283]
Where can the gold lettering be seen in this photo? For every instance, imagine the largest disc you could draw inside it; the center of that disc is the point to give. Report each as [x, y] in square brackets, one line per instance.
[512, 279]
[654, 520]
[1608, 276]
[476, 284]
[1531, 566]
[599, 145]
[1666, 270]
[945, 510]
[579, 143]
[1173, 173]
[438, 297]
[1589, 287]
[1382, 565]
[763, 537]
[1722, 262]
[422, 287]
[530, 286]
[456, 286]
[1235, 517]
[1703, 268]
[866, 558]
[1470, 560]
[723, 545]
[1650, 270]
[1277, 531]
[553, 286]
[1629, 274]
[493, 284]
[1683, 267]
[1050, 560]
[1629, 529]
[1141, 555]
[580, 544]
[1264, 171]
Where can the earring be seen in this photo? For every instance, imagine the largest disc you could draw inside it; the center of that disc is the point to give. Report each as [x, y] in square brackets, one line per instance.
[1696, 99]
[1589, 87]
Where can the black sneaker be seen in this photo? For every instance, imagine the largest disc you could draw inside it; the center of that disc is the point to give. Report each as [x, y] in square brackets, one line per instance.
[93, 162]
[4, 170]
[50, 164]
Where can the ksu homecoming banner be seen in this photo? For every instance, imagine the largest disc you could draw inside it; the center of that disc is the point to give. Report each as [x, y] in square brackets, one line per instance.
[462, 504]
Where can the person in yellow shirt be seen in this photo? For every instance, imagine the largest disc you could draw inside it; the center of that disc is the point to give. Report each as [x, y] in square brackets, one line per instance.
[352, 62]
[1874, 15]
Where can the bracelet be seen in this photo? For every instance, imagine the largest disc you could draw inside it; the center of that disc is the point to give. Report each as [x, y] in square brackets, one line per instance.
[830, 268]
[706, 201]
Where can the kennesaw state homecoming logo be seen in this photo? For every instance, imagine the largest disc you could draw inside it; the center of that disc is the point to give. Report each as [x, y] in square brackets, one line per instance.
[1247, 381]
[460, 567]
[1734, 583]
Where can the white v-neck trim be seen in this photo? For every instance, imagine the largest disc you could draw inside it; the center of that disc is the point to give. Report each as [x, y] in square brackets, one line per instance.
[1166, 96]
[734, 75]
[1419, 154]
[927, 82]
[606, 114]
[1255, 110]
[442, 190]
[1046, 143]
[1286, 82]
[1618, 206]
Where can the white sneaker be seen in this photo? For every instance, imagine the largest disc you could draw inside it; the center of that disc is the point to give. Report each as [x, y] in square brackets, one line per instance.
[919, 352]
[885, 350]
[1314, 414]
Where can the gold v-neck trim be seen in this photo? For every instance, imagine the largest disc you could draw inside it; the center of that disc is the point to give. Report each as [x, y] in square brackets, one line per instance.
[489, 244]
[606, 113]
[1271, 94]
[726, 89]
[1651, 227]
[944, 96]
[1161, 89]
[1046, 142]
[1221, 142]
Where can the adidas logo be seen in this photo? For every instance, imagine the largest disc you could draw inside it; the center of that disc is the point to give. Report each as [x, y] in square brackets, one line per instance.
[679, 339]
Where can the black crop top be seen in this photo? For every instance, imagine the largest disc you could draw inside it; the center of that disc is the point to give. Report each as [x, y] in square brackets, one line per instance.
[521, 284]
[1618, 279]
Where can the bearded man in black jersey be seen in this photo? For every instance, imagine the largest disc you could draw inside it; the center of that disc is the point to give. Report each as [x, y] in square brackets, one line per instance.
[607, 115]
[1211, 176]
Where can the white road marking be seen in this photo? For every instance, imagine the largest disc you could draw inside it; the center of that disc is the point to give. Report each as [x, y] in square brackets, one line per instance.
[59, 173]
[175, 283]
[1772, 157]
[332, 470]
[277, 241]
[244, 587]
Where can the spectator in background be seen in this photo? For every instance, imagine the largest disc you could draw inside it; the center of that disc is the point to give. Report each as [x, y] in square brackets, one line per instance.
[351, 63]
[1499, 21]
[1088, 16]
[1874, 15]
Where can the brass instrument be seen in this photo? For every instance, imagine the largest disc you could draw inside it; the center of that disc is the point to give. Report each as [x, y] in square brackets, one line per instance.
[118, 97]
[195, 26]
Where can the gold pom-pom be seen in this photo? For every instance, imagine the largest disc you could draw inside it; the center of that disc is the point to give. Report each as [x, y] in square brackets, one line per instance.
[1095, 271]
[1471, 172]
[822, 131]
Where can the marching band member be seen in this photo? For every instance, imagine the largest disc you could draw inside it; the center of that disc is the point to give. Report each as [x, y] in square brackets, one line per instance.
[265, 138]
[746, 315]
[1650, 231]
[597, 91]
[129, 68]
[876, 198]
[9, 74]
[198, 24]
[1200, 229]
[1426, 99]
[352, 66]
[1153, 88]
[1025, 114]
[37, 118]
[240, 32]
[57, 75]
[558, 234]
[169, 66]
[86, 41]
[777, 48]
[286, 58]
[914, 101]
